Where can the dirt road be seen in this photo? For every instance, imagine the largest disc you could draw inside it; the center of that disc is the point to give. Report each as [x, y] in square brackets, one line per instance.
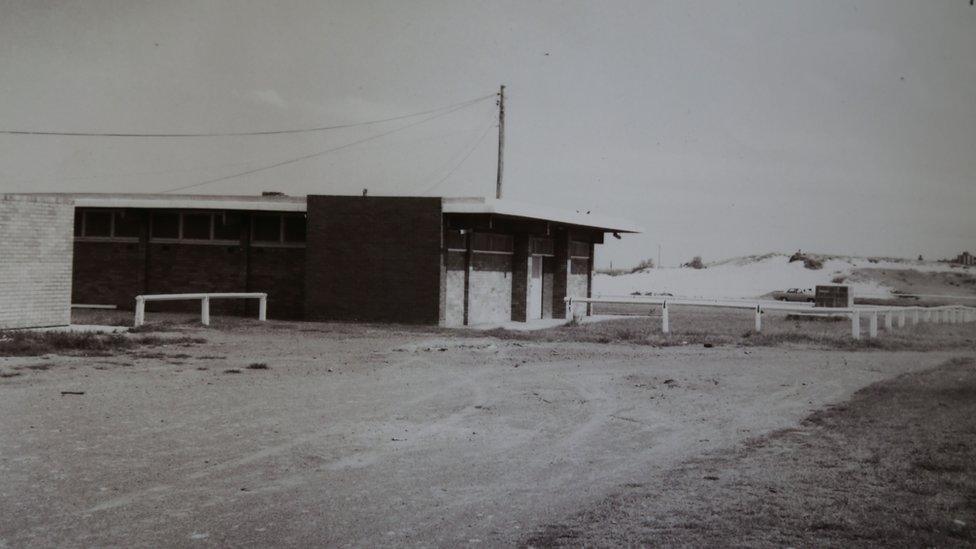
[375, 437]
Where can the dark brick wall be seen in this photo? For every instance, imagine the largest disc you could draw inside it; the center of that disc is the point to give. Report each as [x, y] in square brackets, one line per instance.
[374, 259]
[520, 278]
[280, 272]
[193, 268]
[108, 273]
[114, 273]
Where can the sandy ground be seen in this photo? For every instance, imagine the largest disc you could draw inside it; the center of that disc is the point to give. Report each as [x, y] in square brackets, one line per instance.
[893, 467]
[373, 436]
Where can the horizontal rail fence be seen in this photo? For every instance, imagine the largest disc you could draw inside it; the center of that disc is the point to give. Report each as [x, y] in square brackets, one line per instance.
[576, 308]
[204, 303]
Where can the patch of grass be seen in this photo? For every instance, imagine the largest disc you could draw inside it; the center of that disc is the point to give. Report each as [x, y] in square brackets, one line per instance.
[232, 371]
[28, 343]
[258, 366]
[9, 374]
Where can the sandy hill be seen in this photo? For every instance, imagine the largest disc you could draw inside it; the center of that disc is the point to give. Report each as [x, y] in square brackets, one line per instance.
[757, 275]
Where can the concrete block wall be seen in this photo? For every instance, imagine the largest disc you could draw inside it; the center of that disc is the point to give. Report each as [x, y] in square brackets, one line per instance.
[35, 261]
[490, 288]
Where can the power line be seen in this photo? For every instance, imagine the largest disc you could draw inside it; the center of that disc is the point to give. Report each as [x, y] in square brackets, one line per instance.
[319, 153]
[239, 134]
[458, 165]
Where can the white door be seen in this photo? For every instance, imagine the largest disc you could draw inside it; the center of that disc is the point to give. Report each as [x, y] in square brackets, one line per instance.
[534, 304]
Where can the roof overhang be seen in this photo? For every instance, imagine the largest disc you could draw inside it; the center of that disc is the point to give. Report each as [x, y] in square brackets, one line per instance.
[191, 202]
[511, 208]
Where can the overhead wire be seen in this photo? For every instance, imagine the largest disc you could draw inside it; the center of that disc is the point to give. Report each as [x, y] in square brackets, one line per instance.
[322, 152]
[477, 143]
[247, 133]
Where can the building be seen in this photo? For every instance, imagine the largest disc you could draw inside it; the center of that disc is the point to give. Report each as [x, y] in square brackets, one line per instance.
[965, 258]
[446, 261]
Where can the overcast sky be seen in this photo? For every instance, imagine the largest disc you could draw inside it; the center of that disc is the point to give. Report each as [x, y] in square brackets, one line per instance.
[723, 128]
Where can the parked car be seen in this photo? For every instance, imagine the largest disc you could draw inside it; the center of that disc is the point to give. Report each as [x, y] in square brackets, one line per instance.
[794, 294]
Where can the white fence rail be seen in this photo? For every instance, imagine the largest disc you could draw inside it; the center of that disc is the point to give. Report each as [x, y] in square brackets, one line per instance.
[204, 303]
[576, 308]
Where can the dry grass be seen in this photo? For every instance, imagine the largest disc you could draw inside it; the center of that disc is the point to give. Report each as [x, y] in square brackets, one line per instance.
[699, 325]
[31, 343]
[895, 466]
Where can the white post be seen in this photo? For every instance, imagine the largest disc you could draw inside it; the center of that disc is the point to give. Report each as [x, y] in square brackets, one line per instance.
[901, 318]
[888, 321]
[758, 318]
[665, 324]
[945, 316]
[873, 325]
[205, 311]
[856, 325]
[263, 307]
[140, 311]
[927, 315]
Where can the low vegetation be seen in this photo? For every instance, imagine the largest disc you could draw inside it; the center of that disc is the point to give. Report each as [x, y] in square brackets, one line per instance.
[32, 343]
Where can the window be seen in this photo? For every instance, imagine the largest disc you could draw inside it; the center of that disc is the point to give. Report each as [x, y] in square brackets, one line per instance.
[166, 225]
[227, 226]
[107, 224]
[579, 249]
[98, 223]
[294, 228]
[456, 241]
[267, 228]
[196, 226]
[492, 243]
[283, 229]
[127, 224]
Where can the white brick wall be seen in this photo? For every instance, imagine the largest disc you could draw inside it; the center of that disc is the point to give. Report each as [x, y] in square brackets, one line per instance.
[36, 242]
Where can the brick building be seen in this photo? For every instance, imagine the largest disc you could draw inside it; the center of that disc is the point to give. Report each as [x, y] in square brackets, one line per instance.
[447, 261]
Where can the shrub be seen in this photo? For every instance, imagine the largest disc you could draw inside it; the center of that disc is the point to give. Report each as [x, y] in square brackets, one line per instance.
[644, 264]
[813, 263]
[695, 263]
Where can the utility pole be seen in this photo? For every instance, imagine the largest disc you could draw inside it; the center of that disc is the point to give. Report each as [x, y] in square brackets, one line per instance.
[659, 257]
[501, 140]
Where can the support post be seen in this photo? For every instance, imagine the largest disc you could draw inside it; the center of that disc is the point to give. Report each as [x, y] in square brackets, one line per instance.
[927, 315]
[263, 307]
[856, 325]
[758, 318]
[873, 325]
[140, 311]
[914, 317]
[901, 318]
[887, 321]
[665, 321]
[205, 311]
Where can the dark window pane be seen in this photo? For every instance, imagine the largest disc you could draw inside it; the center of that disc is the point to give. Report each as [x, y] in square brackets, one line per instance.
[165, 225]
[456, 240]
[79, 215]
[227, 226]
[267, 228]
[294, 228]
[126, 224]
[196, 226]
[98, 223]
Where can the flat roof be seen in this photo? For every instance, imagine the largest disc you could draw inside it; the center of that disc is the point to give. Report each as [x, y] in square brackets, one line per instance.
[512, 208]
[468, 205]
[186, 201]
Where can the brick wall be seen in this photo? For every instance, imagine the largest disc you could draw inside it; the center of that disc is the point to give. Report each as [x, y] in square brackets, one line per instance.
[374, 259]
[114, 272]
[35, 261]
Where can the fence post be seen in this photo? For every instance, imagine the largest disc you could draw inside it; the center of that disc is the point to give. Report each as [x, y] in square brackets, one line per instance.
[205, 311]
[665, 321]
[888, 320]
[873, 325]
[901, 318]
[758, 318]
[140, 311]
[263, 307]
[856, 325]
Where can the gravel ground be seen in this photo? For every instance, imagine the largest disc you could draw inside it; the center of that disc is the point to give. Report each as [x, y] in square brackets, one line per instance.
[357, 435]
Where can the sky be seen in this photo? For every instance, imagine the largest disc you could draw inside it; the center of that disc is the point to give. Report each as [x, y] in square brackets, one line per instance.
[723, 128]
